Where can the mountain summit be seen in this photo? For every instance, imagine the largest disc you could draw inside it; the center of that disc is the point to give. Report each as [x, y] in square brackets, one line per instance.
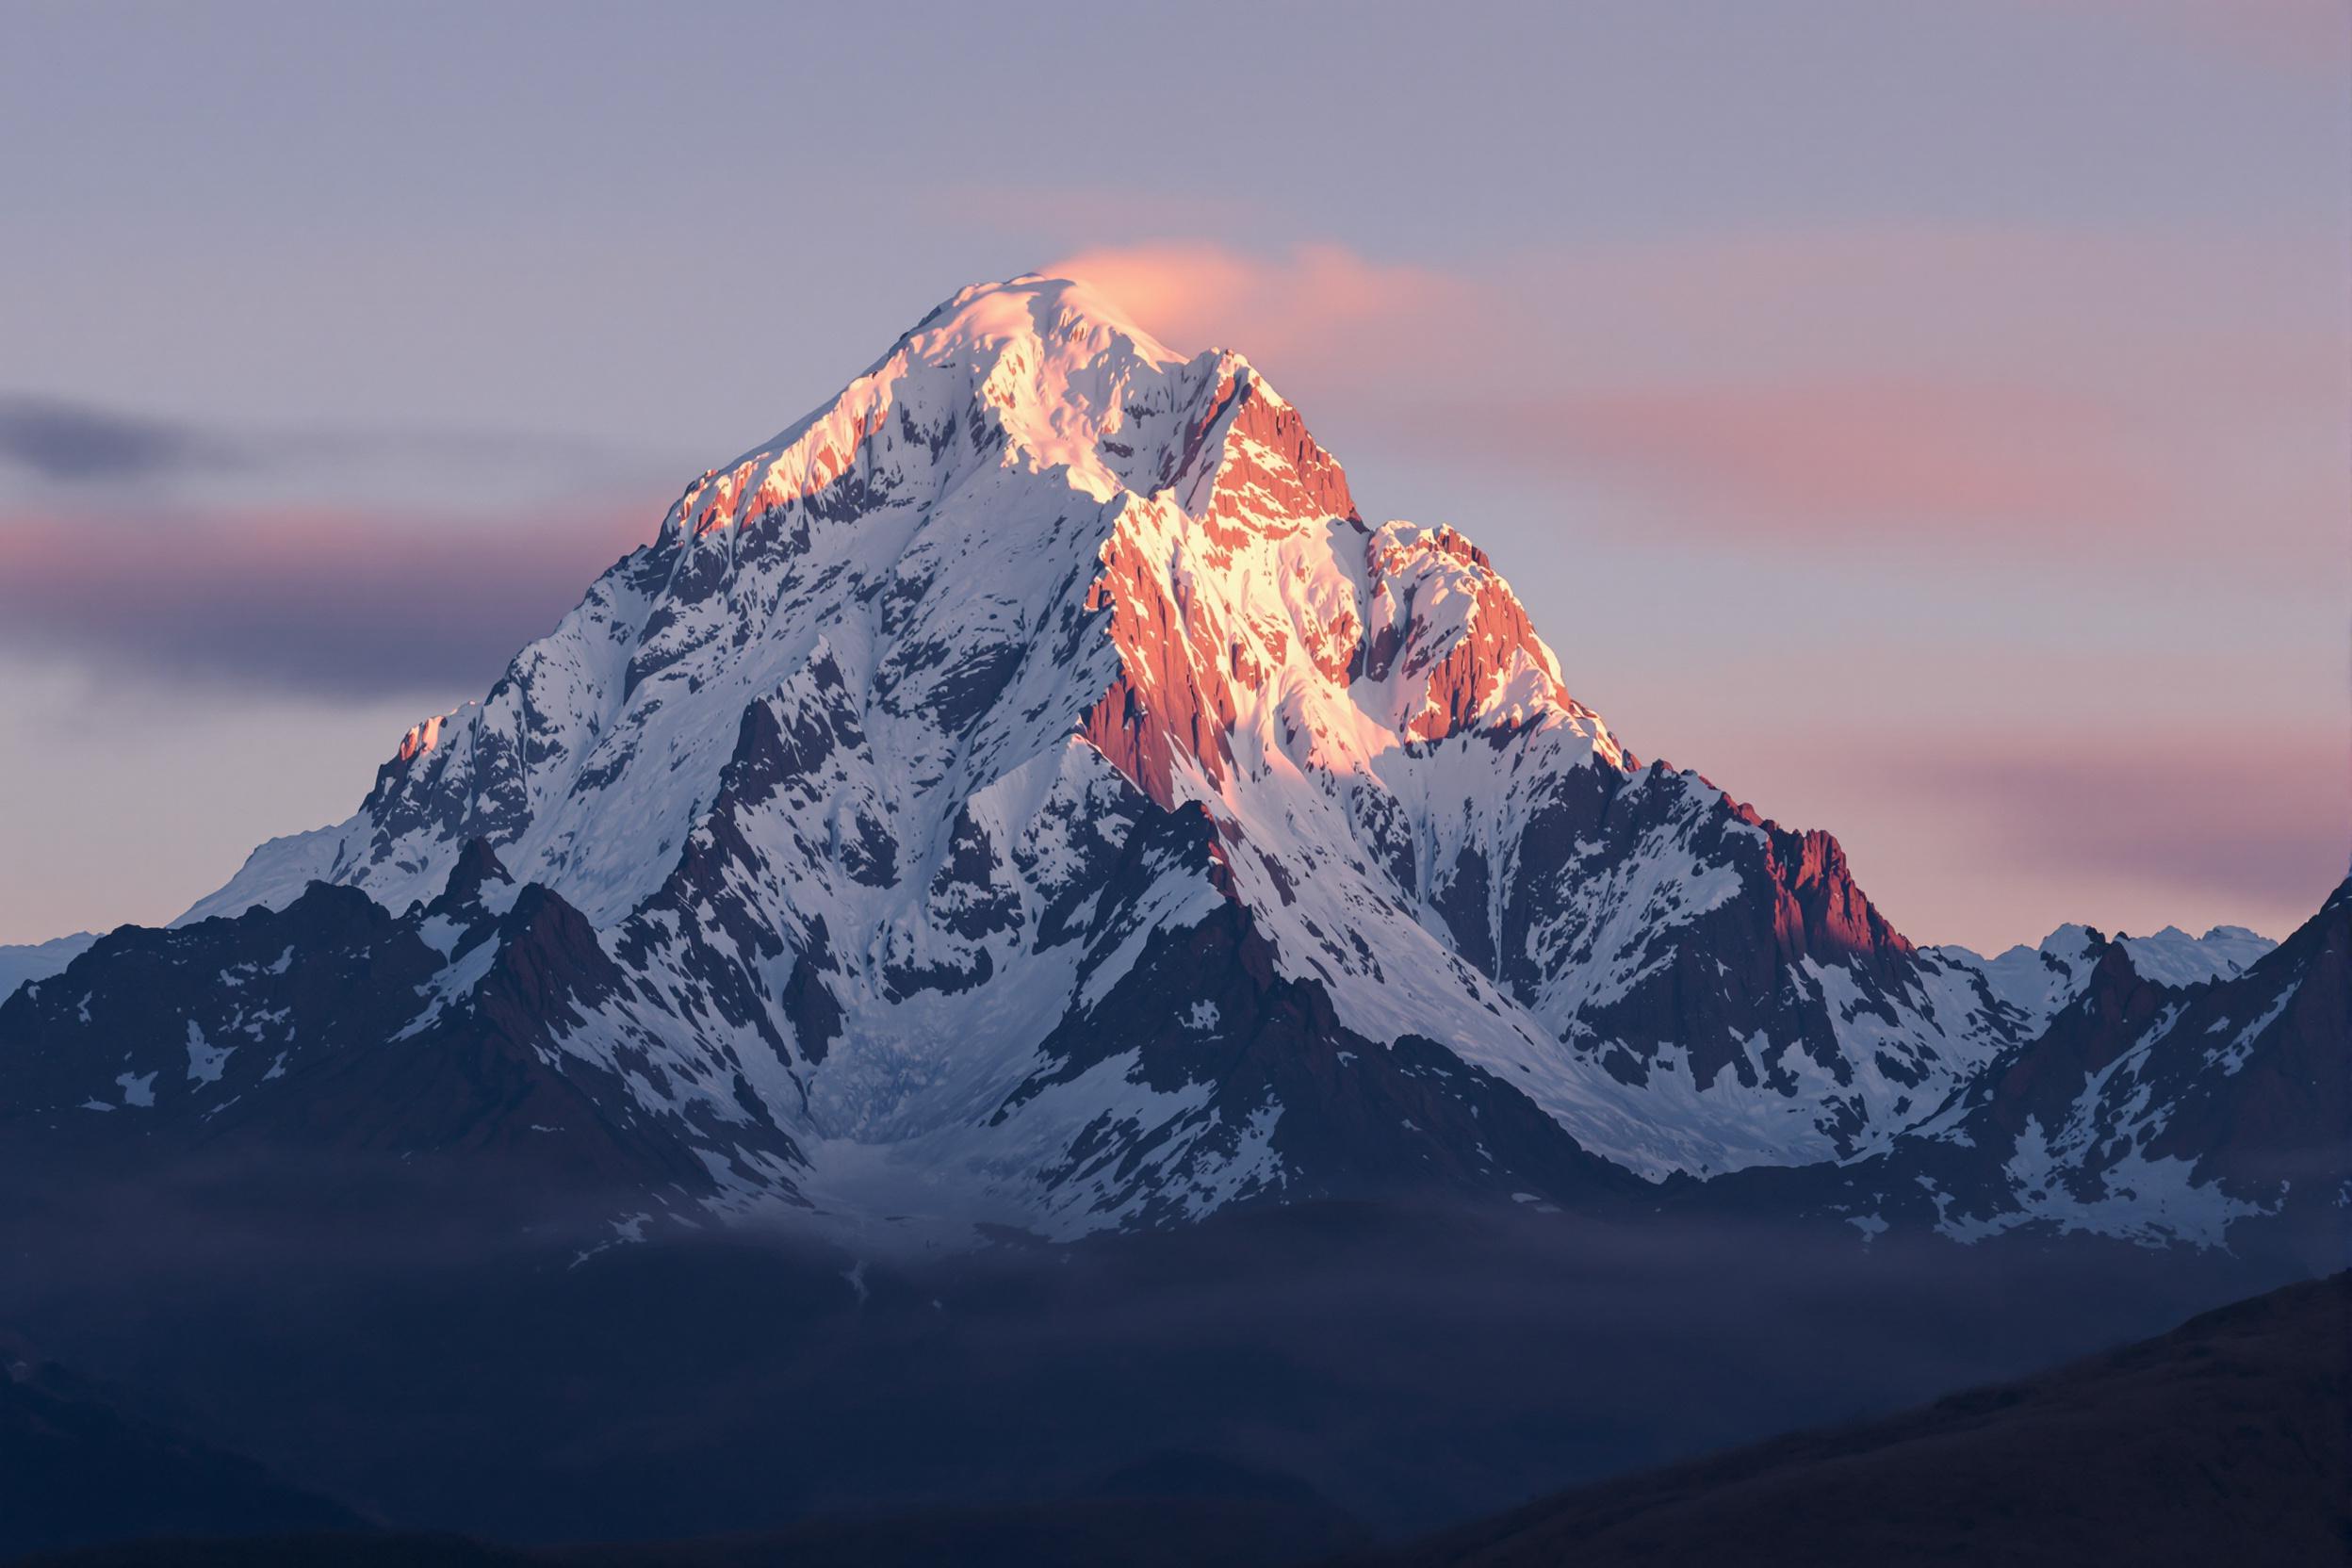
[1027, 790]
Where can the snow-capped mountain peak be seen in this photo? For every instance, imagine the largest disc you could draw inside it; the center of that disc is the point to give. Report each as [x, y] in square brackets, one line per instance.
[1037, 373]
[1027, 788]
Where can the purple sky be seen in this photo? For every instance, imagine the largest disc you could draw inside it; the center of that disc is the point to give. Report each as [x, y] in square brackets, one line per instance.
[1928, 420]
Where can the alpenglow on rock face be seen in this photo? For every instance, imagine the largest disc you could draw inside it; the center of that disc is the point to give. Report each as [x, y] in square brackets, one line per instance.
[1029, 789]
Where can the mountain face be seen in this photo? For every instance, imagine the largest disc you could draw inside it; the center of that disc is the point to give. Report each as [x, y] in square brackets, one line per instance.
[2178, 1450]
[2037, 981]
[2159, 1113]
[333, 1030]
[1028, 790]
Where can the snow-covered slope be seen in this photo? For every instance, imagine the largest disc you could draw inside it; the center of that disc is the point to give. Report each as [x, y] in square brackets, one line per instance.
[2037, 981]
[2162, 1113]
[2177, 959]
[1031, 791]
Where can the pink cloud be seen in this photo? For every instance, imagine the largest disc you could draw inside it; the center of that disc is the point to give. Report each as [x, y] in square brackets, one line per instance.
[2257, 832]
[2304, 37]
[1969, 469]
[1302, 304]
[1993, 827]
[1832, 460]
[2027, 391]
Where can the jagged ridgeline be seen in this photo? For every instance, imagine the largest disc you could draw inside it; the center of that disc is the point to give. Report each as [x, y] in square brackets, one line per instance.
[1030, 790]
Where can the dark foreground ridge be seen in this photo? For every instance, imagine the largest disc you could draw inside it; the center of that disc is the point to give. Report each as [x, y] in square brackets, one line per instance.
[1139, 1532]
[70, 1457]
[2224, 1438]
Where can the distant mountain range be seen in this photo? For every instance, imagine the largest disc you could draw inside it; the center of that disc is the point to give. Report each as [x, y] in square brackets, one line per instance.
[1028, 794]
[38, 960]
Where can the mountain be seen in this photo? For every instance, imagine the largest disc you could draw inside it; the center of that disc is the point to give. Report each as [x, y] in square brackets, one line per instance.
[2037, 981]
[2224, 1435]
[2177, 959]
[38, 960]
[1028, 792]
[333, 1030]
[74, 1469]
[2158, 1113]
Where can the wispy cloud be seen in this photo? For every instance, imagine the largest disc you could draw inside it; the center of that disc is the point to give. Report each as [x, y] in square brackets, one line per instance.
[70, 443]
[308, 601]
[1803, 460]
[2027, 394]
[2257, 822]
[1305, 302]
[62, 450]
[2303, 37]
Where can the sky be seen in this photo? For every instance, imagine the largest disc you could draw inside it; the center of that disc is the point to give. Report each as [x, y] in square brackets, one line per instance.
[1931, 421]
